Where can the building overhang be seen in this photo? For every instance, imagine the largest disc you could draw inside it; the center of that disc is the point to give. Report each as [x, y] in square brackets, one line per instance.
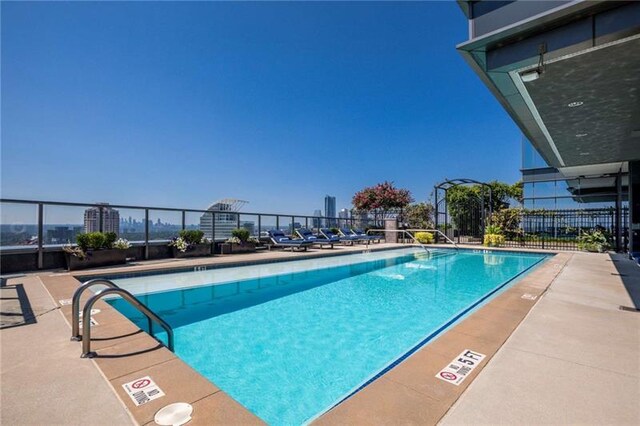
[583, 106]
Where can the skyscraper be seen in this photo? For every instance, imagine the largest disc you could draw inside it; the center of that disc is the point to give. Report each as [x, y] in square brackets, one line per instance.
[110, 219]
[224, 222]
[316, 221]
[330, 209]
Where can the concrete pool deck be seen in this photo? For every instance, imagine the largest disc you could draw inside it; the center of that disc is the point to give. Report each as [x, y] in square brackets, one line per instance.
[75, 391]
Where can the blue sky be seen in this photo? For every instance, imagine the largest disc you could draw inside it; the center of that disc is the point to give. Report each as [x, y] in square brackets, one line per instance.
[180, 104]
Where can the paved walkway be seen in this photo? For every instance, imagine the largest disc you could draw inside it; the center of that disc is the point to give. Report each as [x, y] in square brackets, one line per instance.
[43, 379]
[575, 359]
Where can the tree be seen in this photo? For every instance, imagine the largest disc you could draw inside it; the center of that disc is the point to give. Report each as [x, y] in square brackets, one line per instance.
[419, 215]
[463, 201]
[382, 199]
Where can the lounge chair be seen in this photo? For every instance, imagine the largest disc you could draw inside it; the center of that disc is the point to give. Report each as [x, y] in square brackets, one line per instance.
[326, 232]
[372, 238]
[346, 232]
[280, 240]
[307, 235]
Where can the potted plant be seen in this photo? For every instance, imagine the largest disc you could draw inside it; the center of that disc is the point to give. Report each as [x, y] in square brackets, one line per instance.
[240, 242]
[593, 241]
[190, 243]
[95, 249]
[424, 237]
[493, 236]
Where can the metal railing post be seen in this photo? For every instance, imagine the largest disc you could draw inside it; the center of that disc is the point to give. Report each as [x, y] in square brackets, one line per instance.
[146, 234]
[184, 220]
[277, 222]
[213, 227]
[259, 226]
[238, 221]
[40, 235]
[100, 219]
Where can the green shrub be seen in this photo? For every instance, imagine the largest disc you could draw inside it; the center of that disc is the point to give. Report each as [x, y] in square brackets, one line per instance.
[335, 231]
[96, 240]
[242, 234]
[109, 239]
[493, 240]
[493, 229]
[595, 241]
[192, 236]
[83, 241]
[425, 237]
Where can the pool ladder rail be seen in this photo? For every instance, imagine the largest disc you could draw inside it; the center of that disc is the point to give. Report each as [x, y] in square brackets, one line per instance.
[112, 288]
[415, 240]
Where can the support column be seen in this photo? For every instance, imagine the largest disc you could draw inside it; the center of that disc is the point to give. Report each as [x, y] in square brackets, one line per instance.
[618, 223]
[634, 209]
[391, 224]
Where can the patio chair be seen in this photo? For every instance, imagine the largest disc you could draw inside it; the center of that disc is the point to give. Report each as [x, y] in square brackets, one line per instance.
[346, 232]
[372, 238]
[347, 240]
[279, 239]
[307, 235]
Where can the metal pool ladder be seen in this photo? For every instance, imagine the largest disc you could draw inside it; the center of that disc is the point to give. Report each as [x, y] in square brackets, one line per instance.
[415, 240]
[112, 288]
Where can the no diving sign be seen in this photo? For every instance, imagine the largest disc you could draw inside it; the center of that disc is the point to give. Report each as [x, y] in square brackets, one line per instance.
[142, 390]
[460, 367]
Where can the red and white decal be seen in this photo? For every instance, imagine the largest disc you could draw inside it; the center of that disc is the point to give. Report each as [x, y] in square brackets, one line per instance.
[460, 367]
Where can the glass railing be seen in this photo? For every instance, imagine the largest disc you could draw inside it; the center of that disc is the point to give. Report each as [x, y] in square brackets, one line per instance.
[33, 225]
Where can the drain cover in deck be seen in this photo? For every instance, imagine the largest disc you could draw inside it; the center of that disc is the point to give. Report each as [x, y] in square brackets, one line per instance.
[175, 414]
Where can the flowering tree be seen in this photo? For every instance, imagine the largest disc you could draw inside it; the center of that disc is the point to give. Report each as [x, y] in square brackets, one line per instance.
[382, 199]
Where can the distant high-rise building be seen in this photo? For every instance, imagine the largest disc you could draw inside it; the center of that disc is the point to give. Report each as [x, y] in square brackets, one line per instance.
[330, 209]
[249, 226]
[343, 214]
[110, 219]
[316, 222]
[224, 222]
[62, 234]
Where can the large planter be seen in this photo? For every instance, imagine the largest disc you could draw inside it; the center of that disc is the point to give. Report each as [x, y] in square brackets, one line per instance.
[195, 250]
[233, 248]
[96, 259]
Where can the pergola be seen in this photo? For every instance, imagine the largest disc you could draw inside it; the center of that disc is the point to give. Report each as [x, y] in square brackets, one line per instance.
[450, 183]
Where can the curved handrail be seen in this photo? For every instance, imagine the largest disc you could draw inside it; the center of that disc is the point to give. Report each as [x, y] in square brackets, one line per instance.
[75, 305]
[408, 232]
[403, 231]
[439, 232]
[86, 312]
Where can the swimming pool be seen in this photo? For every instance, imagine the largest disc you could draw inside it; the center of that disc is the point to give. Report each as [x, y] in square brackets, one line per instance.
[289, 340]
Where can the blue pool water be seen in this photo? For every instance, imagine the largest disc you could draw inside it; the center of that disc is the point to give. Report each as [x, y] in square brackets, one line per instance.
[290, 346]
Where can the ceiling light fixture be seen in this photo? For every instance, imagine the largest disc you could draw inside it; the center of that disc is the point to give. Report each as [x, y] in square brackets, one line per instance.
[575, 104]
[535, 74]
[581, 135]
[584, 153]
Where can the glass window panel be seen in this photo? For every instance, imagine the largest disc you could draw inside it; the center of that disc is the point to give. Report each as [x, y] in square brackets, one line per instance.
[61, 224]
[531, 159]
[267, 223]
[250, 223]
[19, 225]
[545, 189]
[528, 190]
[164, 224]
[547, 204]
[131, 225]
